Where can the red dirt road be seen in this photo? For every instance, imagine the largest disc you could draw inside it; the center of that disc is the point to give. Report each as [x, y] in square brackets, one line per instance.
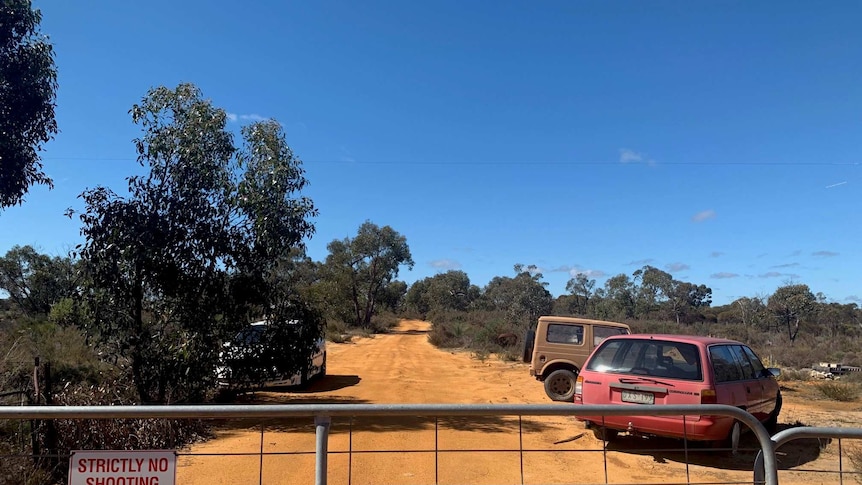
[402, 367]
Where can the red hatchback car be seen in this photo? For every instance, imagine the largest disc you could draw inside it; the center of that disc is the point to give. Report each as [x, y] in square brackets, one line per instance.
[677, 369]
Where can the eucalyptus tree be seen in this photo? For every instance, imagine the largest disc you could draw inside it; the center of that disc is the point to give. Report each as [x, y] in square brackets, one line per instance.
[359, 270]
[28, 89]
[189, 255]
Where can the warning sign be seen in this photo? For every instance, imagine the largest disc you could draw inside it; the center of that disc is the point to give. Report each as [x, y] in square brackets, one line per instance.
[151, 467]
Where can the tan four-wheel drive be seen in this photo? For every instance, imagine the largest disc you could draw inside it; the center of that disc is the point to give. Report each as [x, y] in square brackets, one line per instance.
[558, 347]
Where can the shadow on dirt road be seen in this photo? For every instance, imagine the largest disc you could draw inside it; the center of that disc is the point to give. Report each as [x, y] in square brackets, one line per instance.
[792, 454]
[407, 332]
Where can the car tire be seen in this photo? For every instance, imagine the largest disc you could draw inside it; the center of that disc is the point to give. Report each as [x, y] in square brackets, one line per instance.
[771, 422]
[322, 373]
[730, 443]
[303, 377]
[605, 434]
[529, 340]
[560, 385]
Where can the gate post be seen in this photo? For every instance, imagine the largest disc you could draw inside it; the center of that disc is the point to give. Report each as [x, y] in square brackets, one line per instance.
[322, 424]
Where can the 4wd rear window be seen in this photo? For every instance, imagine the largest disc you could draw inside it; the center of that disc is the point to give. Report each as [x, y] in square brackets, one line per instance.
[657, 358]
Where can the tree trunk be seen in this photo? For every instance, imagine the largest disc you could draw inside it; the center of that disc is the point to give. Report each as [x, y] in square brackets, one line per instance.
[137, 336]
[795, 331]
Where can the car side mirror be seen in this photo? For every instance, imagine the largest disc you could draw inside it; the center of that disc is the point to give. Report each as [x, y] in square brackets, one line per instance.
[774, 371]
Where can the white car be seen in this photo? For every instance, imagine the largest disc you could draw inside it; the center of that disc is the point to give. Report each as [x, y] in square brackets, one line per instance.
[251, 336]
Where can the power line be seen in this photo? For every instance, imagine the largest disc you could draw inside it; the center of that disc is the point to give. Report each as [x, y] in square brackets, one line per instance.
[518, 162]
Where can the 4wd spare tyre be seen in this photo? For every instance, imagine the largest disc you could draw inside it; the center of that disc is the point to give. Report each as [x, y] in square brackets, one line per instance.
[528, 345]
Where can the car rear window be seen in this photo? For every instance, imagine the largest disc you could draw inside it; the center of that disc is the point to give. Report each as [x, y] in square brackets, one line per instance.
[657, 358]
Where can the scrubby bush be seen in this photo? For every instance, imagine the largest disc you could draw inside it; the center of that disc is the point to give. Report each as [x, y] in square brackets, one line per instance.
[384, 322]
[336, 331]
[788, 374]
[839, 391]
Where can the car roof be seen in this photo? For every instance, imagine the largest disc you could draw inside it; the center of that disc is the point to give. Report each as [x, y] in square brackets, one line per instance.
[554, 318]
[263, 323]
[692, 339]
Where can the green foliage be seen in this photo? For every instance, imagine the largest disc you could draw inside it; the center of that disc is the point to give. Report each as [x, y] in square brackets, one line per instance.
[445, 291]
[28, 86]
[581, 289]
[193, 253]
[337, 331]
[476, 330]
[839, 391]
[522, 299]
[384, 322]
[36, 281]
[789, 305]
[359, 273]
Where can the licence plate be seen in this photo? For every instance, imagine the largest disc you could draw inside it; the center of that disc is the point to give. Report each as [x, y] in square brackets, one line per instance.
[638, 397]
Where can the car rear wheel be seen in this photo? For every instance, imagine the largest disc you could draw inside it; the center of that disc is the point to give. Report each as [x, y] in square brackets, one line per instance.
[731, 441]
[560, 385]
[303, 377]
[771, 422]
[605, 434]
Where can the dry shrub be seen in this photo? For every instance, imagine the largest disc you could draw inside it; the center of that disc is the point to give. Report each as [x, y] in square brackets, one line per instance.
[794, 375]
[337, 331]
[839, 391]
[101, 434]
[447, 335]
[510, 356]
[384, 322]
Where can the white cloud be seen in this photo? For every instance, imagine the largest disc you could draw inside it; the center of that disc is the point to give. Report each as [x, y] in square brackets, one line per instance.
[776, 274]
[715, 254]
[675, 267]
[723, 275]
[703, 216]
[639, 262]
[233, 117]
[785, 265]
[628, 156]
[854, 299]
[576, 270]
[589, 273]
[445, 264]
[824, 254]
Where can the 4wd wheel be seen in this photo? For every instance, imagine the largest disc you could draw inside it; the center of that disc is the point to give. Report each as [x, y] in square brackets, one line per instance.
[560, 385]
[528, 345]
[771, 422]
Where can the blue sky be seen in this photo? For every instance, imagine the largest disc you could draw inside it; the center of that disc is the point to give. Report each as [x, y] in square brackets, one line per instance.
[717, 140]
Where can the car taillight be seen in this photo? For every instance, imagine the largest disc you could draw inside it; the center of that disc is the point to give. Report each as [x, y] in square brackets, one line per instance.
[579, 386]
[707, 396]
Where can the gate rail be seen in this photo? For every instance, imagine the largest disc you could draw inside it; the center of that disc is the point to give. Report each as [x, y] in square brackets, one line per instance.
[792, 434]
[322, 414]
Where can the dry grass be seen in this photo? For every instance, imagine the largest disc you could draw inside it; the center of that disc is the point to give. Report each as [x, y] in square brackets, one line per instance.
[839, 391]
